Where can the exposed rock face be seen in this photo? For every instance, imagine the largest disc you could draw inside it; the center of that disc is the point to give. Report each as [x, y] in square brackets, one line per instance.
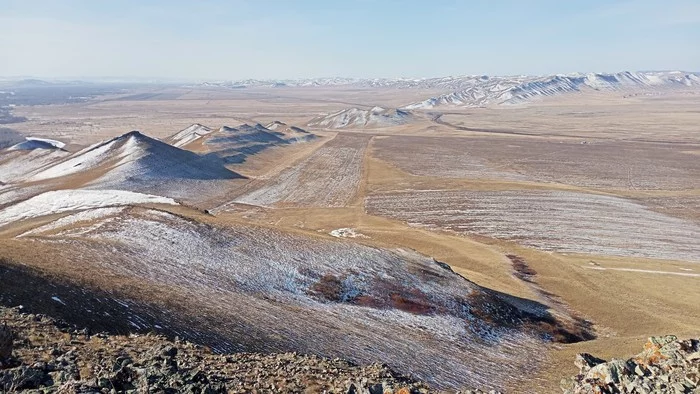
[667, 365]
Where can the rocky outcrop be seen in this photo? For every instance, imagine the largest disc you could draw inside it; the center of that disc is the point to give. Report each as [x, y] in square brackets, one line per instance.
[667, 365]
[53, 358]
[5, 342]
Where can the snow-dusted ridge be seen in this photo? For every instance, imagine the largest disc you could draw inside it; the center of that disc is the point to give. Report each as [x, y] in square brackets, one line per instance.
[32, 143]
[136, 158]
[483, 91]
[188, 135]
[235, 144]
[446, 82]
[358, 117]
[60, 201]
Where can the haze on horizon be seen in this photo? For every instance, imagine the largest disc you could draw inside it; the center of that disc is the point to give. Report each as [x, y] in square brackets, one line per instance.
[361, 38]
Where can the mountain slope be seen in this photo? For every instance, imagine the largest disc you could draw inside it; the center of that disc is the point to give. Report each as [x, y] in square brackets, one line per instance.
[249, 288]
[235, 144]
[29, 156]
[136, 158]
[483, 91]
[188, 135]
[363, 118]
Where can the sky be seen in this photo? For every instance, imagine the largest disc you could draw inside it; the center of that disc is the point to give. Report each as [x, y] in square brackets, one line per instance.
[291, 39]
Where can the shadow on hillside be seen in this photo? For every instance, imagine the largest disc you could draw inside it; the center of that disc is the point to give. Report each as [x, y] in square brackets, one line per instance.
[96, 310]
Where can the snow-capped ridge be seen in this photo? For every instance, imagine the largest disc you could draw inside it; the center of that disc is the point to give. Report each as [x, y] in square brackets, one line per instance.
[60, 201]
[354, 117]
[233, 144]
[481, 92]
[137, 158]
[32, 143]
[188, 135]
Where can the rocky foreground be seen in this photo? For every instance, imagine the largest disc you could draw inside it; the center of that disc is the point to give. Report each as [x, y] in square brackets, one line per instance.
[40, 355]
[667, 365]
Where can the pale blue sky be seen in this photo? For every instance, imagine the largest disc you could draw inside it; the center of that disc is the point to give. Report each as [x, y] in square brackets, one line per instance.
[236, 39]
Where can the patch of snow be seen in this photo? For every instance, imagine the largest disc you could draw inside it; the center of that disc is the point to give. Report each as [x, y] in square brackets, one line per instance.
[88, 215]
[72, 200]
[190, 134]
[642, 271]
[38, 143]
[19, 164]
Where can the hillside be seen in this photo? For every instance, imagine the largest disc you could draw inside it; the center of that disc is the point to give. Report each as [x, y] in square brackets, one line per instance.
[56, 356]
[359, 118]
[234, 144]
[229, 287]
[483, 91]
[29, 156]
[135, 158]
[132, 162]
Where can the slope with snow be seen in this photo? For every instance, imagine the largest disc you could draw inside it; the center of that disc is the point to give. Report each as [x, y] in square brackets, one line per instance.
[188, 135]
[293, 133]
[60, 201]
[139, 163]
[32, 143]
[484, 91]
[29, 156]
[235, 144]
[375, 117]
[259, 289]
[569, 222]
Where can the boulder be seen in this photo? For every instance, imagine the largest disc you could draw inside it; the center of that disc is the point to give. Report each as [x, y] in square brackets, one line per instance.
[6, 338]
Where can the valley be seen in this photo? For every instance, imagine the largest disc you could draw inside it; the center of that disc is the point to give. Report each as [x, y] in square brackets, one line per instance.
[466, 231]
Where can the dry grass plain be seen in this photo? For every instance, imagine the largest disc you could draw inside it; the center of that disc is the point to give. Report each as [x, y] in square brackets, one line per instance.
[636, 151]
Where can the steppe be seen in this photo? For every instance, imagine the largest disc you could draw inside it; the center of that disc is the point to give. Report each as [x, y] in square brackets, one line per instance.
[584, 208]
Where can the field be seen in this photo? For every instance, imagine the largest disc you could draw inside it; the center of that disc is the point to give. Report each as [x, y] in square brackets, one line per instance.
[566, 222]
[593, 164]
[327, 178]
[570, 224]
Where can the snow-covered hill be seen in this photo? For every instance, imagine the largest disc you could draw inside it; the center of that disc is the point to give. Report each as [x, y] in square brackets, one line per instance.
[354, 117]
[483, 91]
[136, 158]
[32, 143]
[32, 155]
[234, 144]
[188, 135]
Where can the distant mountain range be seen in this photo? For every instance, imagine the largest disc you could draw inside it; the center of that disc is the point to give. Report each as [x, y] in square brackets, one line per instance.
[482, 90]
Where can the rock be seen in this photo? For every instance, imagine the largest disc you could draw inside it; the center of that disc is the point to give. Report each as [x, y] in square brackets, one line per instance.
[666, 365]
[585, 361]
[24, 378]
[6, 339]
[639, 370]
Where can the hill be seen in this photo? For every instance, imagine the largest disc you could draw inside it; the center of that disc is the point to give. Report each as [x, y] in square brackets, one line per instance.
[483, 91]
[56, 356]
[375, 117]
[235, 144]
